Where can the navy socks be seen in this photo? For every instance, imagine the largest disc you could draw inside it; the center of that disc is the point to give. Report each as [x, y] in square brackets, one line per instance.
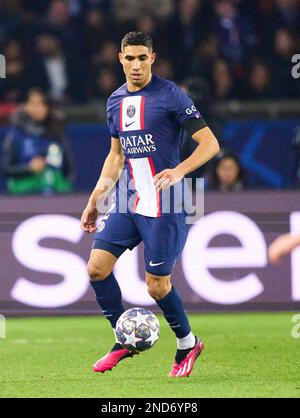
[109, 298]
[173, 311]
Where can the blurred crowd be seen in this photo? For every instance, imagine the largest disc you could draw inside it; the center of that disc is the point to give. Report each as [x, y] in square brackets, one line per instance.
[37, 156]
[230, 49]
[66, 51]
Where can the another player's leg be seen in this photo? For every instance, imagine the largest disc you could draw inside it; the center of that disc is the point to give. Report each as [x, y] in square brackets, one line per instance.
[109, 298]
[189, 347]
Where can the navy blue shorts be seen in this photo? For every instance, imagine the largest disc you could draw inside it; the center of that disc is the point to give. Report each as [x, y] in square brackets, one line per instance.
[164, 238]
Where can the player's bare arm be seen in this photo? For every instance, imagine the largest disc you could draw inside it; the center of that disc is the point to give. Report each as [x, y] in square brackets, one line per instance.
[110, 174]
[207, 148]
[282, 246]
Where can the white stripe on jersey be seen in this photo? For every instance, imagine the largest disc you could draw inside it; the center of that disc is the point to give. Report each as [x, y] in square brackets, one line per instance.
[148, 204]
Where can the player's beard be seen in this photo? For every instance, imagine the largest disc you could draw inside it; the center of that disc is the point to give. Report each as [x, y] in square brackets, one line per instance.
[139, 82]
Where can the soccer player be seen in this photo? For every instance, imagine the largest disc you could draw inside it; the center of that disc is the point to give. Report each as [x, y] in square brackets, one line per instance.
[145, 117]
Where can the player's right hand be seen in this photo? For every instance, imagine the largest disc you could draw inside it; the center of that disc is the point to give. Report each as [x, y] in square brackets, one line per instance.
[88, 219]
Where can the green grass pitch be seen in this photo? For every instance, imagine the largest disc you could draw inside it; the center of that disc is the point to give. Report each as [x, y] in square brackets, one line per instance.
[246, 355]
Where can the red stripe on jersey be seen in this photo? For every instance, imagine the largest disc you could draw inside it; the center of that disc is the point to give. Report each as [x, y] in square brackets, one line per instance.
[137, 195]
[136, 203]
[142, 114]
[157, 193]
[121, 116]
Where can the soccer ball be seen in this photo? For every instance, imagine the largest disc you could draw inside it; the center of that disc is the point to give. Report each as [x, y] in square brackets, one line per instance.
[137, 329]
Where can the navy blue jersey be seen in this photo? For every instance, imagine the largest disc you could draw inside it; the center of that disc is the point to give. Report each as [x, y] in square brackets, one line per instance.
[149, 125]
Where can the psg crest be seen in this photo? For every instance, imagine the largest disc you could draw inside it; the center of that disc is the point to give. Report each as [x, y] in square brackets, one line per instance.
[130, 111]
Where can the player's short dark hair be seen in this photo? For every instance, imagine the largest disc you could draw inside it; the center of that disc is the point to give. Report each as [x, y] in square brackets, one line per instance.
[137, 38]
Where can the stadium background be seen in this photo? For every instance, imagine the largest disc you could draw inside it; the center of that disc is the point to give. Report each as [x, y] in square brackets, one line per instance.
[237, 67]
[237, 59]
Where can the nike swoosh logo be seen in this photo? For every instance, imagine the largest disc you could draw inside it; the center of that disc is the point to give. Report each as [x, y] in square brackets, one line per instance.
[128, 124]
[155, 264]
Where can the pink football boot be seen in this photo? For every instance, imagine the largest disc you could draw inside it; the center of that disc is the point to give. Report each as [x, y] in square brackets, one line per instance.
[112, 358]
[184, 369]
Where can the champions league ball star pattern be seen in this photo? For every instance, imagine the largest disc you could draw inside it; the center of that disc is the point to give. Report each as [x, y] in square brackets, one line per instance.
[137, 329]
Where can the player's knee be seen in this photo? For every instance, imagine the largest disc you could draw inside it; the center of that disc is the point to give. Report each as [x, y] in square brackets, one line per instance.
[97, 271]
[158, 288]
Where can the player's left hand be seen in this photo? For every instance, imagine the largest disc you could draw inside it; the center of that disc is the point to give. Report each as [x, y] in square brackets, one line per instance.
[167, 178]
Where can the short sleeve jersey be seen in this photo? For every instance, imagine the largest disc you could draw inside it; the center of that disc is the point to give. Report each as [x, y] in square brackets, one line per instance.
[148, 124]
